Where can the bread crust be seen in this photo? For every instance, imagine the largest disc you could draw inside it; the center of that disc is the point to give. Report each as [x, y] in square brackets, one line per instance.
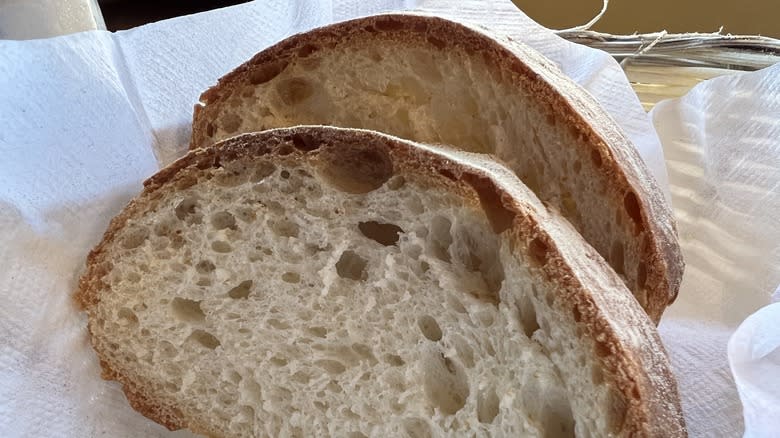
[630, 184]
[606, 316]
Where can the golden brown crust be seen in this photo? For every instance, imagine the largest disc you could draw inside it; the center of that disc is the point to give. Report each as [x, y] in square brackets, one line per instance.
[606, 316]
[630, 184]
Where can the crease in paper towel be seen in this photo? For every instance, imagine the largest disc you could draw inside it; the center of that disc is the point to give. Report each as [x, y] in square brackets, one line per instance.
[722, 144]
[91, 147]
[754, 356]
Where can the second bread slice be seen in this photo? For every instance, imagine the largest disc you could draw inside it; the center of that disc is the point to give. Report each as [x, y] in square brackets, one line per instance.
[436, 81]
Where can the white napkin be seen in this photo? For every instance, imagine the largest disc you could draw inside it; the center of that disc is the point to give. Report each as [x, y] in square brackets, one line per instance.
[86, 117]
[722, 146]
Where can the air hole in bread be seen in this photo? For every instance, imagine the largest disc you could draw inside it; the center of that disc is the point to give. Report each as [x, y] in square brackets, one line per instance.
[245, 214]
[127, 317]
[222, 220]
[631, 203]
[304, 142]
[490, 199]
[278, 325]
[440, 238]
[294, 91]
[284, 228]
[478, 252]
[133, 277]
[242, 290]
[334, 387]
[436, 42]
[278, 361]
[352, 266]
[204, 339]
[616, 259]
[429, 328]
[331, 366]
[417, 428]
[187, 310]
[134, 238]
[487, 405]
[300, 377]
[539, 250]
[320, 332]
[396, 182]
[221, 246]
[393, 360]
[263, 169]
[250, 392]
[355, 169]
[551, 414]
[322, 406]
[265, 72]
[558, 421]
[231, 121]
[245, 416]
[365, 352]
[227, 399]
[602, 348]
[205, 267]
[275, 207]
[526, 316]
[168, 350]
[447, 174]
[595, 156]
[165, 227]
[247, 92]
[231, 177]
[385, 234]
[291, 277]
[569, 207]
[445, 384]
[307, 49]
[186, 207]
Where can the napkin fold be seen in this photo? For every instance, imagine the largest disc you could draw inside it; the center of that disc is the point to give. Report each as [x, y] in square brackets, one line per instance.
[722, 147]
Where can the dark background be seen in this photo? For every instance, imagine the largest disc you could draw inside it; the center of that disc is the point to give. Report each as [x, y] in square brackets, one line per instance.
[622, 17]
[124, 14]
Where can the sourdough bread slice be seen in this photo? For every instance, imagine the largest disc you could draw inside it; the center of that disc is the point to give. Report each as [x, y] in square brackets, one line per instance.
[318, 281]
[435, 81]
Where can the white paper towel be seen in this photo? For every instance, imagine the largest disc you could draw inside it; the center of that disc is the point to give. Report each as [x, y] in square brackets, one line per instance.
[84, 117]
[722, 146]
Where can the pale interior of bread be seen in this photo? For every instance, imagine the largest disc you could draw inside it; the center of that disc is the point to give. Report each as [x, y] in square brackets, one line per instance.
[262, 301]
[446, 96]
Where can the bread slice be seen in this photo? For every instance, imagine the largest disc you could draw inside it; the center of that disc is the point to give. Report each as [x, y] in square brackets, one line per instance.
[435, 81]
[326, 282]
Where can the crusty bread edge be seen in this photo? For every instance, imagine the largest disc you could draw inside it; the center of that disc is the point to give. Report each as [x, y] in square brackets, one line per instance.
[639, 372]
[567, 103]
